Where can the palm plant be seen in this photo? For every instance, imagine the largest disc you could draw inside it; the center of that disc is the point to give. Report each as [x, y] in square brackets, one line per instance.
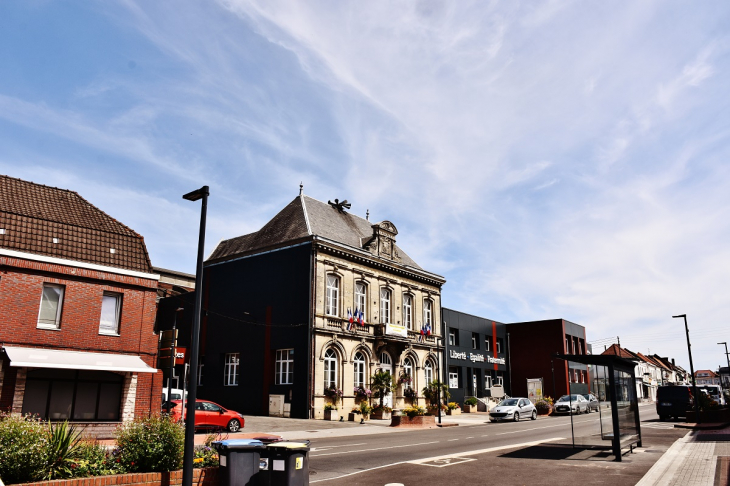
[382, 384]
[63, 445]
[431, 392]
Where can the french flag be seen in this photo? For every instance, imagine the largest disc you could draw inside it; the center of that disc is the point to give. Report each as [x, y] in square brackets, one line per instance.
[360, 317]
[349, 319]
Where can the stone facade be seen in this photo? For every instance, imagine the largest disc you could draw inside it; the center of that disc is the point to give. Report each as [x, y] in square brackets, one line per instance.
[372, 339]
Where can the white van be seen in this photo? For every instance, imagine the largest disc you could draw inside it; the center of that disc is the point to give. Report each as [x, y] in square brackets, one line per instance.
[175, 394]
[715, 392]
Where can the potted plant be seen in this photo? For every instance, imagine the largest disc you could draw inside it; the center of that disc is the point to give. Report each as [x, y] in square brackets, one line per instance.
[361, 393]
[330, 412]
[470, 403]
[365, 410]
[544, 406]
[381, 412]
[382, 384]
[414, 416]
[452, 408]
[353, 415]
[334, 394]
[410, 394]
[431, 393]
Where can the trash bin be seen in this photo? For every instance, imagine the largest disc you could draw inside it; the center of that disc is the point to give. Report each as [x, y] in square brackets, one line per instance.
[285, 464]
[239, 460]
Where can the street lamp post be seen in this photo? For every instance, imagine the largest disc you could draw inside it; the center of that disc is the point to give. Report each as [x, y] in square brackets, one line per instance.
[727, 357]
[692, 370]
[187, 479]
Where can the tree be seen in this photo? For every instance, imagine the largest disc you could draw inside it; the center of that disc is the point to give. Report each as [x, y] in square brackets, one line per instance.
[431, 392]
[382, 384]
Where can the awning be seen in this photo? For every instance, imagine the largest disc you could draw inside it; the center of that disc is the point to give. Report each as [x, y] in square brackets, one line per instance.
[75, 360]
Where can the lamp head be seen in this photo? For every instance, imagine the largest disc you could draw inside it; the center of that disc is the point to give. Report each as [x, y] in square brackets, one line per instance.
[680, 315]
[197, 194]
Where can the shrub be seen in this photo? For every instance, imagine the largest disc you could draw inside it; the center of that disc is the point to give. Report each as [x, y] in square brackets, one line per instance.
[151, 444]
[382, 408]
[63, 445]
[545, 403]
[365, 409]
[471, 401]
[23, 448]
[205, 456]
[93, 459]
[414, 411]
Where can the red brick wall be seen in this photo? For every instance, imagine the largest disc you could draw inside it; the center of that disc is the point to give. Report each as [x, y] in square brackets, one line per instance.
[201, 477]
[21, 285]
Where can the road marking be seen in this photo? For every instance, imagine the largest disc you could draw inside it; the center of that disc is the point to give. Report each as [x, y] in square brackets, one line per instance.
[450, 461]
[468, 437]
[376, 449]
[326, 448]
[451, 440]
[419, 461]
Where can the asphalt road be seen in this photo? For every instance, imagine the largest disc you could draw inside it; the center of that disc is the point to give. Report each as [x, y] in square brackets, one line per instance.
[378, 459]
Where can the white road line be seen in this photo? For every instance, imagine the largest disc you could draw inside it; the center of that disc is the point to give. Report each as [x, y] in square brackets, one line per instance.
[461, 454]
[451, 440]
[376, 449]
[468, 437]
[326, 448]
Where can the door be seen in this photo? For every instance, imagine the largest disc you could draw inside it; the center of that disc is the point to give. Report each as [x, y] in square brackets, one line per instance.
[215, 416]
[386, 364]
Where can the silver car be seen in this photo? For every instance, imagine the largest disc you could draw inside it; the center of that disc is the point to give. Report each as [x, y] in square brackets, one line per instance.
[593, 403]
[571, 404]
[513, 409]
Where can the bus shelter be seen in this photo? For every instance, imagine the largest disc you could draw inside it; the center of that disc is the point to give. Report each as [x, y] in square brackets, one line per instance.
[612, 381]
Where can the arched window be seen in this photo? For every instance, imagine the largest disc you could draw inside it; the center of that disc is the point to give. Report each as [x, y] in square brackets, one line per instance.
[330, 368]
[361, 300]
[333, 295]
[359, 364]
[408, 311]
[385, 359]
[428, 371]
[408, 370]
[428, 313]
[385, 306]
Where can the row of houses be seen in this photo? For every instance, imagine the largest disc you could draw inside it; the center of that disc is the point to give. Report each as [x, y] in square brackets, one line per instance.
[304, 310]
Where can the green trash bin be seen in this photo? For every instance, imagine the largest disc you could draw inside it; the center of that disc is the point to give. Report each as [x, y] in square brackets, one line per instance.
[239, 460]
[285, 464]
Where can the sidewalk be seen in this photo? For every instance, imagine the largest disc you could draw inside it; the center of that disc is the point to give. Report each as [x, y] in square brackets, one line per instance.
[700, 458]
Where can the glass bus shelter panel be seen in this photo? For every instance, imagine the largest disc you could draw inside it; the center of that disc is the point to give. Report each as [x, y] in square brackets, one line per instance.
[627, 406]
[595, 428]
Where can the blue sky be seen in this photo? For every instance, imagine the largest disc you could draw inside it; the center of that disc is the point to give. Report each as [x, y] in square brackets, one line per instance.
[550, 159]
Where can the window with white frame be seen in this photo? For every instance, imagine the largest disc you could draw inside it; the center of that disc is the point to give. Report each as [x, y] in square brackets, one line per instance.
[486, 343]
[49, 315]
[200, 370]
[361, 300]
[428, 313]
[385, 306]
[330, 368]
[408, 370]
[499, 379]
[487, 382]
[474, 340]
[359, 368]
[428, 372]
[284, 371]
[230, 370]
[453, 377]
[499, 346]
[408, 311]
[111, 309]
[452, 338]
[333, 295]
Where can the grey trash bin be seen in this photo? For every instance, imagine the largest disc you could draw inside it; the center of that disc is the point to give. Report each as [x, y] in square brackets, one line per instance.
[239, 460]
[285, 464]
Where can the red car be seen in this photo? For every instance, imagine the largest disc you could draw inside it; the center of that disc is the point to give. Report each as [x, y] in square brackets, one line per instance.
[208, 415]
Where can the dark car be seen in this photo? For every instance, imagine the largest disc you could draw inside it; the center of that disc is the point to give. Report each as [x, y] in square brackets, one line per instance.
[673, 401]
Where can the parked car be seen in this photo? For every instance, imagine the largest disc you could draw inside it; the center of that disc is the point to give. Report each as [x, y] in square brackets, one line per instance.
[715, 393]
[208, 415]
[175, 394]
[571, 404]
[593, 403]
[513, 409]
[673, 401]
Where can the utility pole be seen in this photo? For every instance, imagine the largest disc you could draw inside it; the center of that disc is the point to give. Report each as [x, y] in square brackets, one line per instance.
[692, 370]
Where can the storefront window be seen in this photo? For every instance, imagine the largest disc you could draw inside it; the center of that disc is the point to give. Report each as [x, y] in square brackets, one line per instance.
[73, 395]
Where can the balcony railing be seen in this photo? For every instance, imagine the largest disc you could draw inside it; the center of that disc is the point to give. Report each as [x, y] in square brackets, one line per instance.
[341, 324]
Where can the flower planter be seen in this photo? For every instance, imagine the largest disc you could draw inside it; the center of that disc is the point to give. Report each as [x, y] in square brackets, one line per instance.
[332, 415]
[380, 415]
[467, 408]
[417, 421]
[544, 411]
[201, 477]
[455, 411]
[719, 415]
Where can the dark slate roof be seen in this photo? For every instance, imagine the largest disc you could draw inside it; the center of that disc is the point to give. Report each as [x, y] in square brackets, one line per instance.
[32, 215]
[291, 224]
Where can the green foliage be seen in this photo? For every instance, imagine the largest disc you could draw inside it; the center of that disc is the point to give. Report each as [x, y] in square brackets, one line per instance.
[431, 391]
[545, 403]
[93, 459]
[151, 444]
[63, 445]
[365, 409]
[471, 401]
[23, 448]
[707, 403]
[383, 408]
[414, 411]
[328, 407]
[452, 406]
[382, 384]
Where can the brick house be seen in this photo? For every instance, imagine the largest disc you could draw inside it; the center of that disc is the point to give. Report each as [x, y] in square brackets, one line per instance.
[77, 299]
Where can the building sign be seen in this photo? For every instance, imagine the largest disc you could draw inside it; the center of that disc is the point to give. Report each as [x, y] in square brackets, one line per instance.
[475, 357]
[396, 330]
[180, 355]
